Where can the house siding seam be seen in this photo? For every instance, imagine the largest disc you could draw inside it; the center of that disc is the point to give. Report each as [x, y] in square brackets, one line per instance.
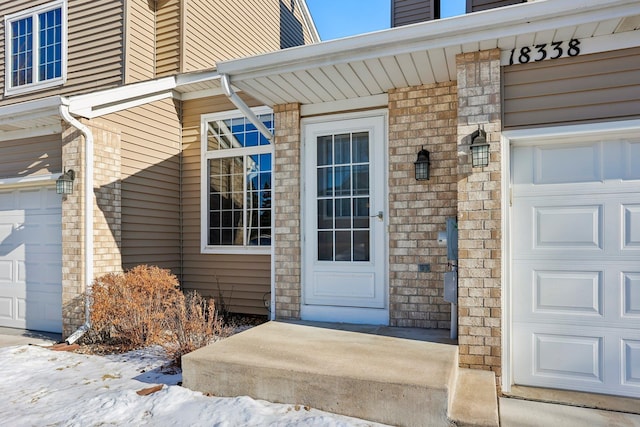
[422, 116]
[479, 214]
[287, 208]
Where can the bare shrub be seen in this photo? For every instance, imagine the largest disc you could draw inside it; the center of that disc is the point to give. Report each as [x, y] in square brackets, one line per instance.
[130, 309]
[194, 324]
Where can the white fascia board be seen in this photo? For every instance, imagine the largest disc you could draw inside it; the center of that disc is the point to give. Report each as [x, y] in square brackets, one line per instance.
[14, 111]
[95, 104]
[474, 27]
[308, 20]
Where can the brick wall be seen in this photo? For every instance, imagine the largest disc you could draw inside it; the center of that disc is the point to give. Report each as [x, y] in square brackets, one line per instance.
[106, 218]
[287, 211]
[422, 116]
[479, 214]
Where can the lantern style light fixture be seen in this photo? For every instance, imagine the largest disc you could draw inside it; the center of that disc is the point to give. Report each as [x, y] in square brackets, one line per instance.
[422, 165]
[479, 148]
[64, 183]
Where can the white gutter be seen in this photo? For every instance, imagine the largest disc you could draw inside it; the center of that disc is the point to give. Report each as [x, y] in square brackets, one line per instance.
[238, 102]
[88, 215]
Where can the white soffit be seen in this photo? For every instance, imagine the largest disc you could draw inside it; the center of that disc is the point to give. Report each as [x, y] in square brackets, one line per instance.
[425, 53]
[30, 119]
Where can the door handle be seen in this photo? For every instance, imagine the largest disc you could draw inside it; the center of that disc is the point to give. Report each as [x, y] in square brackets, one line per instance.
[380, 216]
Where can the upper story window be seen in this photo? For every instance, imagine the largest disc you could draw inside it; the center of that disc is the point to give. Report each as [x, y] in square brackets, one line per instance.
[35, 48]
[236, 183]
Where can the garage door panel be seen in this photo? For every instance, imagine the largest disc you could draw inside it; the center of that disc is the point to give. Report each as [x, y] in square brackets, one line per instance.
[568, 227]
[601, 360]
[631, 363]
[631, 226]
[631, 295]
[6, 308]
[568, 292]
[6, 270]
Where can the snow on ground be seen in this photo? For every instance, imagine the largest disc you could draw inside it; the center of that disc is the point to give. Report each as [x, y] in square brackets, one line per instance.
[41, 387]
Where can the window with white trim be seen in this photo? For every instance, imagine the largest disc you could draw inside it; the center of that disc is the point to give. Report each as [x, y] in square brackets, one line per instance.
[236, 183]
[35, 48]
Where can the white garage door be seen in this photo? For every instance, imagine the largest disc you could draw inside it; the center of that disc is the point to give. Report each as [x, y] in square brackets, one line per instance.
[575, 242]
[31, 259]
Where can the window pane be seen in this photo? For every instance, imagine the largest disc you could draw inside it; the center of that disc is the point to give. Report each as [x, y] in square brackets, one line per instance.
[343, 181]
[361, 212]
[361, 180]
[325, 214]
[343, 213]
[325, 150]
[343, 246]
[22, 52]
[343, 149]
[361, 147]
[325, 182]
[325, 246]
[361, 246]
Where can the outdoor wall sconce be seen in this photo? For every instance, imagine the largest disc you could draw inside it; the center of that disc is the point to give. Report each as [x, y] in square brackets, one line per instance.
[479, 148]
[422, 165]
[64, 184]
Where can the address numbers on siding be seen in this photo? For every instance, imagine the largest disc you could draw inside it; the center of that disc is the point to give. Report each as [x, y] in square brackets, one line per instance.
[542, 51]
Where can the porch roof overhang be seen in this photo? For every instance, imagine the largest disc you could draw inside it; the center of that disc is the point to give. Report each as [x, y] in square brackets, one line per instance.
[31, 118]
[369, 65]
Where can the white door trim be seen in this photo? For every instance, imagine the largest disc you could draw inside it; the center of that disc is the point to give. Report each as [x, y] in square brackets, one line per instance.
[509, 139]
[328, 313]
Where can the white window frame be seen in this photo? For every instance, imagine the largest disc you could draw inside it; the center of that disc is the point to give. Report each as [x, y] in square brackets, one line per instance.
[205, 156]
[33, 13]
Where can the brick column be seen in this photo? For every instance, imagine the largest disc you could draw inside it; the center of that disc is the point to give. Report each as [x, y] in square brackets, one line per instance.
[287, 238]
[420, 116]
[479, 214]
[106, 211]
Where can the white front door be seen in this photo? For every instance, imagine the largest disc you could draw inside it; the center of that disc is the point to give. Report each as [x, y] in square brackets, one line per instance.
[344, 214]
[31, 259]
[576, 264]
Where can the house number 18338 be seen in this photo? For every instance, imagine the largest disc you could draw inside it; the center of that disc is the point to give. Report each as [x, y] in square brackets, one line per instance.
[542, 51]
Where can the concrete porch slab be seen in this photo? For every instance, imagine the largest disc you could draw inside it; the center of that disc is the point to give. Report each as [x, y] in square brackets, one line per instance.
[389, 380]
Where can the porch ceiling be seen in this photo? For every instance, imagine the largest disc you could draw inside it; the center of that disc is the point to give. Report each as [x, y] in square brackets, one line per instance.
[425, 53]
[32, 118]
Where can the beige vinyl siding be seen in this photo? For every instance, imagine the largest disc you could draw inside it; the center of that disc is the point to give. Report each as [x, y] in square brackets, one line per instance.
[32, 156]
[168, 43]
[95, 47]
[597, 87]
[229, 30]
[405, 12]
[140, 41]
[242, 280]
[477, 5]
[150, 184]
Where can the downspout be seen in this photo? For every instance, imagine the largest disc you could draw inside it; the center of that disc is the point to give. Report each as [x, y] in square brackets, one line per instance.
[238, 102]
[248, 113]
[88, 217]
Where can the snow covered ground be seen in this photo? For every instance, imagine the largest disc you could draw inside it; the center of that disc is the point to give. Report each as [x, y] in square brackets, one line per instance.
[40, 387]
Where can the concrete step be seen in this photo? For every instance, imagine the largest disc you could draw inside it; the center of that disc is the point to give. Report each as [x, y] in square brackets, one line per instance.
[389, 380]
[475, 399]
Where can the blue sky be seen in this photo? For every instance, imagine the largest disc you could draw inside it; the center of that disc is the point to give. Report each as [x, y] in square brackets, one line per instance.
[342, 18]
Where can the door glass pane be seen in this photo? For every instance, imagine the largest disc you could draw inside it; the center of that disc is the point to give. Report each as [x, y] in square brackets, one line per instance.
[325, 150]
[343, 246]
[343, 196]
[361, 245]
